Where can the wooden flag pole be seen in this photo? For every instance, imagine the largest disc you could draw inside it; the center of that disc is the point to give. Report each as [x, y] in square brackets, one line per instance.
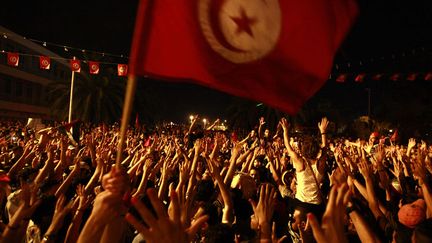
[127, 110]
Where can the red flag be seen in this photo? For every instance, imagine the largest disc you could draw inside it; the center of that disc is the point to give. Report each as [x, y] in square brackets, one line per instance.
[137, 123]
[360, 77]
[377, 77]
[395, 77]
[94, 67]
[278, 52]
[395, 136]
[12, 59]
[428, 76]
[122, 69]
[342, 78]
[75, 65]
[44, 62]
[412, 76]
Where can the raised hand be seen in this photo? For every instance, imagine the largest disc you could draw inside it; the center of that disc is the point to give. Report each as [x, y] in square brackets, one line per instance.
[284, 123]
[411, 143]
[323, 125]
[332, 225]
[60, 212]
[263, 210]
[161, 227]
[364, 169]
[261, 121]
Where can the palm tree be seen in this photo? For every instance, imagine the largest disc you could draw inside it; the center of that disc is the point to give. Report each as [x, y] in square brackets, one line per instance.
[96, 98]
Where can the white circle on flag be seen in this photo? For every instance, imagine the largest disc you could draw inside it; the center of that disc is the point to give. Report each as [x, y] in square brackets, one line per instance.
[94, 67]
[13, 59]
[243, 31]
[75, 65]
[45, 62]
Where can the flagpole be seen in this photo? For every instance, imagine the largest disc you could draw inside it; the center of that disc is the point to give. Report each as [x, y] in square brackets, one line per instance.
[127, 110]
[71, 95]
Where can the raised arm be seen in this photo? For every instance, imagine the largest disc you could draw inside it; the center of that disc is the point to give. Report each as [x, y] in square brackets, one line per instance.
[297, 160]
[322, 126]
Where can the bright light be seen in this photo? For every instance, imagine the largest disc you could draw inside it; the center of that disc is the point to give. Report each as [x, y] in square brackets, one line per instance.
[191, 117]
[205, 120]
[391, 130]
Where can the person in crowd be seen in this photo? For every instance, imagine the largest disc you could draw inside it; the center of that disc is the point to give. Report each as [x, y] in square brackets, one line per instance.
[199, 184]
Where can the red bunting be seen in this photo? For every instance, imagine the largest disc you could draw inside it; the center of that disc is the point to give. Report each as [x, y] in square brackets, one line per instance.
[341, 78]
[395, 77]
[359, 78]
[75, 65]
[12, 59]
[122, 69]
[93, 67]
[412, 76]
[44, 62]
[428, 76]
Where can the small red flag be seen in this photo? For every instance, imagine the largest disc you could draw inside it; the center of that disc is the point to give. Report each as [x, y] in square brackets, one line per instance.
[377, 77]
[137, 123]
[94, 67]
[395, 77]
[360, 77]
[122, 69]
[277, 52]
[12, 59]
[412, 76]
[342, 78]
[428, 76]
[75, 65]
[44, 62]
[395, 136]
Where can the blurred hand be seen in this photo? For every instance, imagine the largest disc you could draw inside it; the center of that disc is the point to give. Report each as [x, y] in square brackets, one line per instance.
[162, 228]
[332, 225]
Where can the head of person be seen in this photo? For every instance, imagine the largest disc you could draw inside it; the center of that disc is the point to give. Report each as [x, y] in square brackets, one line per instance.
[373, 138]
[412, 214]
[254, 173]
[309, 147]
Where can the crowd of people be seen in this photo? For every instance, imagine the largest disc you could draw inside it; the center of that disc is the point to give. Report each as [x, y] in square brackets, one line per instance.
[197, 184]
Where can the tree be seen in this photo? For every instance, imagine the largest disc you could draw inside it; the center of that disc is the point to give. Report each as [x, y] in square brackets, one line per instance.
[96, 98]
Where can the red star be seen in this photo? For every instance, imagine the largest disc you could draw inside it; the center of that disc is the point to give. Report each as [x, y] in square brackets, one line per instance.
[244, 23]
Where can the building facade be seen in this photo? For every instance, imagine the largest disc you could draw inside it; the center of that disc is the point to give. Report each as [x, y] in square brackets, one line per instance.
[23, 89]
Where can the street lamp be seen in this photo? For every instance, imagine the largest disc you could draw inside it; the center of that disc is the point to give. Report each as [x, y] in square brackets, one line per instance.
[191, 117]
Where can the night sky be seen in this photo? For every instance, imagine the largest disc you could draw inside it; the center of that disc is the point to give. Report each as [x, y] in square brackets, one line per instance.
[385, 31]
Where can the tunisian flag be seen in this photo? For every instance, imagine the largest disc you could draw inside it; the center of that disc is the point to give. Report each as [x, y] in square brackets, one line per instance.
[93, 67]
[75, 65]
[12, 59]
[279, 52]
[122, 69]
[44, 62]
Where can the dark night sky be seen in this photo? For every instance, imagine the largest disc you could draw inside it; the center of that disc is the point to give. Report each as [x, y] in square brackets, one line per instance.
[383, 28]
